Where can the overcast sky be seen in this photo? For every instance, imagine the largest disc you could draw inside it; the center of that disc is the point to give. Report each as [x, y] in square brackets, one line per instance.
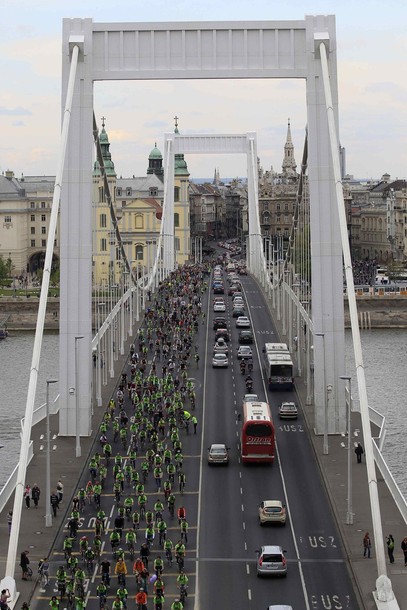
[372, 68]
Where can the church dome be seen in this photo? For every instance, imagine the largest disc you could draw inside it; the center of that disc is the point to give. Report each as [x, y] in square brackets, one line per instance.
[155, 153]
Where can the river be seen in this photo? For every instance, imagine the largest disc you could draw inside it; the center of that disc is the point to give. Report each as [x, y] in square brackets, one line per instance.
[385, 359]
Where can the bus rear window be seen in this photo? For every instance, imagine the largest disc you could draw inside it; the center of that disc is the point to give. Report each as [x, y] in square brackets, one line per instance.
[260, 430]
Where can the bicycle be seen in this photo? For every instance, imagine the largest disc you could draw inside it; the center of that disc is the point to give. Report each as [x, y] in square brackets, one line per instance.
[182, 593]
[102, 600]
[168, 555]
[130, 548]
[43, 577]
[180, 562]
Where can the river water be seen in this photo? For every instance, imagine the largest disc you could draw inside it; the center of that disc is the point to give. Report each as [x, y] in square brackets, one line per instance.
[385, 359]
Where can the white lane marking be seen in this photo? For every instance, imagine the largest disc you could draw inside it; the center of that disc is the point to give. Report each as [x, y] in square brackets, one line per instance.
[240, 474]
[244, 525]
[249, 593]
[112, 511]
[245, 546]
[242, 508]
[95, 571]
[247, 568]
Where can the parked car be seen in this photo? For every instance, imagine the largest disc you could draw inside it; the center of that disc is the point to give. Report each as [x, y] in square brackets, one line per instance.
[271, 561]
[288, 410]
[272, 511]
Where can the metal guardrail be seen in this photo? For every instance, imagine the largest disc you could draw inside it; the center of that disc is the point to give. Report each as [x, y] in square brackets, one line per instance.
[39, 414]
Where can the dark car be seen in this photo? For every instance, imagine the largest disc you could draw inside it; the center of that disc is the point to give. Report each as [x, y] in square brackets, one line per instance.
[218, 289]
[238, 312]
[232, 289]
[245, 337]
[222, 332]
[219, 322]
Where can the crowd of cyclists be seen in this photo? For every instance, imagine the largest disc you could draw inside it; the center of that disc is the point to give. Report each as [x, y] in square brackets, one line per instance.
[139, 462]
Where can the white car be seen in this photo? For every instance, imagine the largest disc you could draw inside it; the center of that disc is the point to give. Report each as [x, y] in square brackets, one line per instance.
[219, 306]
[242, 322]
[220, 361]
[288, 410]
[244, 351]
[218, 453]
[272, 511]
[221, 347]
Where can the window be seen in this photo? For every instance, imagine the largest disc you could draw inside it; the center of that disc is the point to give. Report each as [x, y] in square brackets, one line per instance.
[102, 221]
[266, 218]
[265, 206]
[139, 252]
[176, 220]
[32, 205]
[43, 204]
[278, 207]
[32, 230]
[44, 243]
[32, 217]
[177, 244]
[128, 191]
[176, 193]
[42, 217]
[43, 230]
[33, 243]
[7, 219]
[103, 244]
[278, 219]
[286, 207]
[153, 191]
[119, 192]
[139, 222]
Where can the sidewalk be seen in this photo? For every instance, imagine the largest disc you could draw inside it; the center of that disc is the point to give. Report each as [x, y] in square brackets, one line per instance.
[34, 536]
[333, 468]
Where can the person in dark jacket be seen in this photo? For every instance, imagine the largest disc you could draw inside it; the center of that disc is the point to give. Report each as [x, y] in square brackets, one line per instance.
[359, 452]
[24, 563]
[54, 503]
[35, 494]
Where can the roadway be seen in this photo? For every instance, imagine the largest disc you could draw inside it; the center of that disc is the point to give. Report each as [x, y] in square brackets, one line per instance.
[229, 531]
[221, 502]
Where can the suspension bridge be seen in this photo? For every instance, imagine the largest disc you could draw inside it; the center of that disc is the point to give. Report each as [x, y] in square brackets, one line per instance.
[304, 281]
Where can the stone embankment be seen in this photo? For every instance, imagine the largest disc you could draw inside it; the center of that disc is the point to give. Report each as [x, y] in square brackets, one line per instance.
[379, 311]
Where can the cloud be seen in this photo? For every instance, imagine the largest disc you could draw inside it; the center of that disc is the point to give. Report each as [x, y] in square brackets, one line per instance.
[18, 123]
[17, 111]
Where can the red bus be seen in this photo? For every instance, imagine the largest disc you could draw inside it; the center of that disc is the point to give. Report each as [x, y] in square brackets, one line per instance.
[258, 436]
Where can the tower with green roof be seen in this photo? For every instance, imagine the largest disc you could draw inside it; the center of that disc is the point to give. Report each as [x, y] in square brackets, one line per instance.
[155, 163]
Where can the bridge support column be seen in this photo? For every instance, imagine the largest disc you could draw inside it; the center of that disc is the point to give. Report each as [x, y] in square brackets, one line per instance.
[76, 242]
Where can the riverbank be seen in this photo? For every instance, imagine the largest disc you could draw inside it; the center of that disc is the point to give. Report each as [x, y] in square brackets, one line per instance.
[378, 311]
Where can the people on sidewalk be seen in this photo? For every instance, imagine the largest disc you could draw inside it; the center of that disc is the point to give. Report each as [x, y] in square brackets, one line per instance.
[404, 548]
[390, 547]
[359, 452]
[35, 494]
[9, 520]
[24, 564]
[367, 545]
[60, 491]
[27, 495]
[54, 503]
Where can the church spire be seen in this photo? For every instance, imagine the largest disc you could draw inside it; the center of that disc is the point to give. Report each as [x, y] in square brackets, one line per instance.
[289, 165]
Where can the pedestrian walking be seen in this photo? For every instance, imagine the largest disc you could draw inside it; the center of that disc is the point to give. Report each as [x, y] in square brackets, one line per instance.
[27, 495]
[359, 452]
[195, 422]
[404, 548]
[60, 491]
[54, 503]
[367, 545]
[390, 547]
[9, 520]
[24, 563]
[35, 494]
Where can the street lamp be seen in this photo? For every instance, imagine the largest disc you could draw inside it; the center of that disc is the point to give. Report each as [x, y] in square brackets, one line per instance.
[325, 450]
[78, 438]
[98, 363]
[48, 513]
[349, 513]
